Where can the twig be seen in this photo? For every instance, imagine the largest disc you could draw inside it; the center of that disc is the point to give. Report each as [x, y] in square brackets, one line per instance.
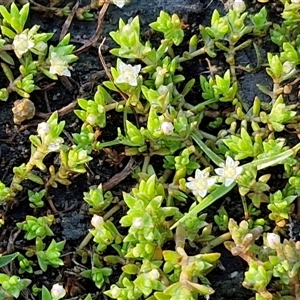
[96, 35]
[63, 111]
[116, 179]
[68, 21]
[108, 72]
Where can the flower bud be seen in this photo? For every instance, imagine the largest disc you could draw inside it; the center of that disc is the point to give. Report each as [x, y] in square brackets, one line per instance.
[137, 223]
[167, 127]
[239, 5]
[97, 221]
[153, 274]
[43, 129]
[272, 240]
[57, 291]
[163, 90]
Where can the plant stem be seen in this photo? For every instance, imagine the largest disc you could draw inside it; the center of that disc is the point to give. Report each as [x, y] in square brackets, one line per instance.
[245, 207]
[216, 241]
[89, 236]
[145, 163]
[192, 55]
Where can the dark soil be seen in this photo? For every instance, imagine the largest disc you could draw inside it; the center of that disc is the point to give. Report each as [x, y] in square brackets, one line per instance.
[73, 219]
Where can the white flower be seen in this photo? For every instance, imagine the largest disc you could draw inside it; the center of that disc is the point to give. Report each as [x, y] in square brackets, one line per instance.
[137, 222]
[229, 171]
[239, 5]
[272, 240]
[119, 3]
[153, 274]
[163, 90]
[43, 129]
[201, 183]
[128, 73]
[58, 65]
[57, 291]
[97, 221]
[22, 44]
[167, 127]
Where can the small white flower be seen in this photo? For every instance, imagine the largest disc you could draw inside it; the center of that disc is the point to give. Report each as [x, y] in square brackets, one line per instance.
[153, 274]
[57, 291]
[128, 73]
[272, 240]
[163, 90]
[97, 221]
[229, 171]
[167, 128]
[239, 5]
[58, 65]
[22, 44]
[119, 3]
[43, 129]
[137, 222]
[201, 183]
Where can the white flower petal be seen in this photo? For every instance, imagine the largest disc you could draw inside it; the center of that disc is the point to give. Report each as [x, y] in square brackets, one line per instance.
[219, 171]
[201, 184]
[229, 171]
[230, 162]
[228, 181]
[211, 181]
[58, 65]
[119, 3]
[137, 69]
[201, 193]
[121, 65]
[128, 73]
[190, 185]
[239, 170]
[22, 44]
[198, 174]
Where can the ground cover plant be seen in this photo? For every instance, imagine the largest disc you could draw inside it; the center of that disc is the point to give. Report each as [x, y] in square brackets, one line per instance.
[190, 147]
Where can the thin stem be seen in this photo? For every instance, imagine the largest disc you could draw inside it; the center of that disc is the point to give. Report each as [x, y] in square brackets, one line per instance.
[245, 207]
[110, 143]
[202, 105]
[113, 210]
[216, 241]
[112, 106]
[145, 163]
[85, 241]
[192, 55]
